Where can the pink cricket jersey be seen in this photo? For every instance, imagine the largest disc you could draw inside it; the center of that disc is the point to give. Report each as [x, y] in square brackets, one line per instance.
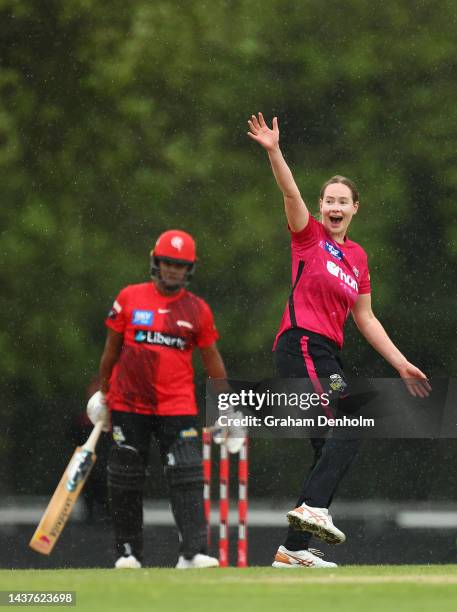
[327, 279]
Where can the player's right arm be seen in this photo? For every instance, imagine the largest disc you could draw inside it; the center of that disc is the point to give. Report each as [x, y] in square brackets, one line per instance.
[296, 211]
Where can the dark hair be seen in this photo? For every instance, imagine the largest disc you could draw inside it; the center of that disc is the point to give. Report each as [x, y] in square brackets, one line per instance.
[341, 179]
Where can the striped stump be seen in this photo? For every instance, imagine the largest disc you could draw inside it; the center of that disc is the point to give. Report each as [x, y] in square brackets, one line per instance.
[224, 475]
[243, 505]
[207, 439]
[224, 502]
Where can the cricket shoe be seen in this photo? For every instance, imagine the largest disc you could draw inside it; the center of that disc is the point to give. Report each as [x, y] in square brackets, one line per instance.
[129, 562]
[198, 561]
[317, 521]
[293, 559]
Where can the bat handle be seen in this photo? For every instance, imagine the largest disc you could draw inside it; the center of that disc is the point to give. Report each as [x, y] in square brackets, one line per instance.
[94, 436]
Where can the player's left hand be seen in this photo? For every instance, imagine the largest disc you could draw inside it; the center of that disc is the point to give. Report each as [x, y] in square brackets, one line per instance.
[415, 380]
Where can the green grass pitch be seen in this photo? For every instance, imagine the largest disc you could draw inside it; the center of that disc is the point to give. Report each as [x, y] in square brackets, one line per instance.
[371, 588]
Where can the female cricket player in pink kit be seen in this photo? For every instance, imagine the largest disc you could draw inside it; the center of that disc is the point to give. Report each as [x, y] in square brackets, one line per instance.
[330, 278]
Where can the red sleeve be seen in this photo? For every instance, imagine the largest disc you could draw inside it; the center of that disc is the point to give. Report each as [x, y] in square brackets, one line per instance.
[116, 318]
[307, 237]
[208, 333]
[364, 284]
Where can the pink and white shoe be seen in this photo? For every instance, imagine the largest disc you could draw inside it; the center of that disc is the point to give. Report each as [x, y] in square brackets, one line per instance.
[317, 521]
[296, 559]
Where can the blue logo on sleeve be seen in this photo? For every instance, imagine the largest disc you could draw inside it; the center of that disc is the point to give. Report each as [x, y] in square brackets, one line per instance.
[143, 317]
[333, 250]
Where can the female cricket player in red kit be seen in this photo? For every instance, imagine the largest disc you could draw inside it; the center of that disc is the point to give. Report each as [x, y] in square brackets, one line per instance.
[330, 279]
[147, 383]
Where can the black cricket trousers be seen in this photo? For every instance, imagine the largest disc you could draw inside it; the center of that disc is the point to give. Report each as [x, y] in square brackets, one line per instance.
[300, 353]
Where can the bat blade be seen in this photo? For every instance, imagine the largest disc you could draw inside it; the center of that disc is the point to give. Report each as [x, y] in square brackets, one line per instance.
[59, 508]
[67, 492]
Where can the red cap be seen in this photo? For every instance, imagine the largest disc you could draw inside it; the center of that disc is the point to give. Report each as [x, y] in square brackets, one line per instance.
[177, 245]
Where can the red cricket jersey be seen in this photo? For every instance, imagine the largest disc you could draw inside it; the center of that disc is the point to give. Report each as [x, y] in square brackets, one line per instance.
[154, 373]
[327, 279]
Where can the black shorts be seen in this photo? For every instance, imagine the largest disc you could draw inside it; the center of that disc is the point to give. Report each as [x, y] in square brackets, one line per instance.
[301, 353]
[137, 429]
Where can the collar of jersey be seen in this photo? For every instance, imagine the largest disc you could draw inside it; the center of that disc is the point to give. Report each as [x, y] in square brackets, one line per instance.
[338, 244]
[168, 298]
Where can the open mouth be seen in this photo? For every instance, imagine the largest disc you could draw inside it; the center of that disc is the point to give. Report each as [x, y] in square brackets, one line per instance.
[335, 220]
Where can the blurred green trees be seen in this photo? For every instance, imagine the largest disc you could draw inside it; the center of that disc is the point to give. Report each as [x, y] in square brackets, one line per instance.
[119, 120]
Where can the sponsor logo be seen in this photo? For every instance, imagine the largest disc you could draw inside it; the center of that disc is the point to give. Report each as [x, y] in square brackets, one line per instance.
[150, 337]
[142, 317]
[333, 250]
[44, 538]
[177, 242]
[188, 433]
[62, 516]
[337, 383]
[79, 469]
[163, 310]
[185, 324]
[335, 270]
[115, 310]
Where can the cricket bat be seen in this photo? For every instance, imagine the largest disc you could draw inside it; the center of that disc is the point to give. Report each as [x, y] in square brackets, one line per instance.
[59, 508]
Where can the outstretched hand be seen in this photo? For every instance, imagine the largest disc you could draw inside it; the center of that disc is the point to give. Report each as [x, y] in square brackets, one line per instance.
[415, 380]
[261, 133]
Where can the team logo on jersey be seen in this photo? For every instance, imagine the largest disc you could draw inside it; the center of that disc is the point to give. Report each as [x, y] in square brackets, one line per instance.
[332, 249]
[335, 270]
[177, 242]
[150, 337]
[115, 310]
[337, 383]
[142, 317]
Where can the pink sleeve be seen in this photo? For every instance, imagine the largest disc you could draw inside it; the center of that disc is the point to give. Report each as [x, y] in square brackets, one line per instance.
[116, 318]
[307, 237]
[208, 333]
[364, 284]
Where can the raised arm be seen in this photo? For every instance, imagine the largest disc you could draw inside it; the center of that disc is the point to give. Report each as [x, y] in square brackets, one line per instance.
[296, 212]
[375, 334]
